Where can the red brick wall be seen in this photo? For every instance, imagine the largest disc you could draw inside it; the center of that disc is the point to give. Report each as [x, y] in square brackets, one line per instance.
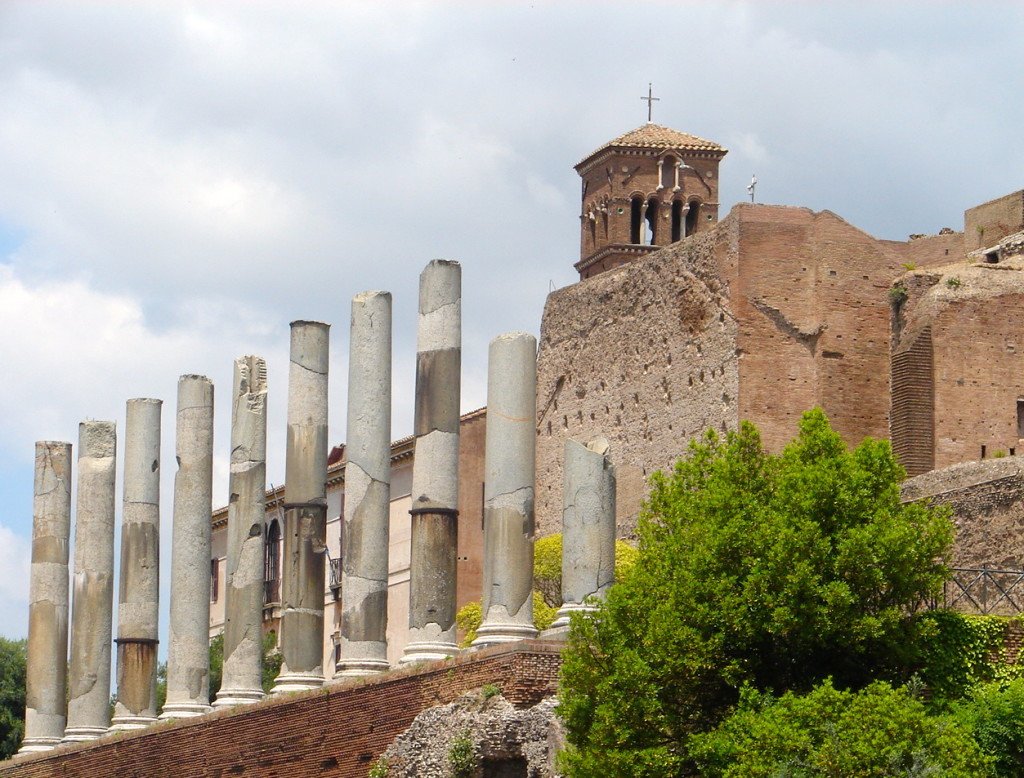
[337, 731]
[810, 294]
[986, 224]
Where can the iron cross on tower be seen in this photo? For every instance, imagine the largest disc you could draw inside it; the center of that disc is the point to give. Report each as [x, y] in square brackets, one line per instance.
[651, 100]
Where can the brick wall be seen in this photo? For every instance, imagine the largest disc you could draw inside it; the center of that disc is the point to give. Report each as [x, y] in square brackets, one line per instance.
[986, 224]
[337, 731]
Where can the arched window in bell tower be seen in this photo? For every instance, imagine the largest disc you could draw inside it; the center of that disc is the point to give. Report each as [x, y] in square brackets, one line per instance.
[652, 221]
[669, 177]
[636, 206]
[677, 220]
[691, 217]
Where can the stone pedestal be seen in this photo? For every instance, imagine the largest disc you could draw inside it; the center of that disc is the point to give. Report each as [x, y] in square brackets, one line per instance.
[435, 476]
[139, 585]
[92, 613]
[364, 581]
[510, 472]
[305, 511]
[588, 527]
[46, 668]
[188, 653]
[243, 621]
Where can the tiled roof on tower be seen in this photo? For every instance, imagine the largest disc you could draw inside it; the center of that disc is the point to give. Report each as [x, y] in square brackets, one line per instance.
[656, 136]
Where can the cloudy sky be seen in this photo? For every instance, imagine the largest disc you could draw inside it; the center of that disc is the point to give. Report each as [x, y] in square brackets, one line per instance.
[178, 181]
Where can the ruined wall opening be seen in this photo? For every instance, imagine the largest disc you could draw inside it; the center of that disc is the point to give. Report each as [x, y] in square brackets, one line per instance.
[691, 218]
[1020, 418]
[652, 221]
[636, 206]
[677, 220]
[513, 767]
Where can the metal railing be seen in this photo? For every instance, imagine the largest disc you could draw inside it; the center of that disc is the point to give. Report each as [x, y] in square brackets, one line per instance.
[985, 590]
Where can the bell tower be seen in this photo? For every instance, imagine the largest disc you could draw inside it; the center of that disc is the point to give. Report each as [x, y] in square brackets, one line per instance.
[643, 190]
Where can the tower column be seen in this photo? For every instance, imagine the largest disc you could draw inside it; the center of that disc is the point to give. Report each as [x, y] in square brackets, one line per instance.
[435, 475]
[243, 592]
[364, 582]
[92, 611]
[510, 472]
[305, 511]
[139, 585]
[588, 527]
[46, 667]
[188, 653]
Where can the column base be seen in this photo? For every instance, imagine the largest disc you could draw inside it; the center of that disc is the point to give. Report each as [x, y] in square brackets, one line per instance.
[128, 723]
[227, 698]
[34, 745]
[562, 618]
[184, 710]
[297, 682]
[84, 734]
[492, 634]
[428, 651]
[353, 668]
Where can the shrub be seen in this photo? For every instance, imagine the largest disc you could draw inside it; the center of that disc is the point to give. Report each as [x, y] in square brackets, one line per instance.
[462, 757]
[879, 731]
[994, 713]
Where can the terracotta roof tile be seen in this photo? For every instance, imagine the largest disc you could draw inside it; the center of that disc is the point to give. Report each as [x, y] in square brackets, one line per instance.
[656, 136]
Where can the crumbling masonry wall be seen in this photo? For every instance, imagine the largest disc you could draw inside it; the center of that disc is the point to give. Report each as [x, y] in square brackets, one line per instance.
[643, 355]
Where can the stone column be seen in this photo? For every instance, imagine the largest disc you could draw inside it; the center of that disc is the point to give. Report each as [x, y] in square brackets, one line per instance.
[243, 606]
[509, 475]
[364, 574]
[139, 585]
[588, 526]
[188, 653]
[305, 511]
[92, 613]
[435, 474]
[46, 668]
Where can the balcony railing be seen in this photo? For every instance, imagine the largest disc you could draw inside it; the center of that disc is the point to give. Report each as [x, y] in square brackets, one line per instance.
[272, 591]
[335, 571]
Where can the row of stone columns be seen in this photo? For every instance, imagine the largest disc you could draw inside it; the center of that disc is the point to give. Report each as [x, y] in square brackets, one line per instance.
[508, 520]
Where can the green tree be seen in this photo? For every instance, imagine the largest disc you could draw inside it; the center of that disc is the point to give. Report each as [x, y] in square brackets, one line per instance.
[876, 732]
[773, 571]
[12, 696]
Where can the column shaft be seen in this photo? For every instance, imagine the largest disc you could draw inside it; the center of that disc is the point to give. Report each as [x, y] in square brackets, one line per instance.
[243, 622]
[364, 583]
[139, 584]
[305, 516]
[92, 613]
[510, 471]
[435, 476]
[188, 653]
[45, 710]
[588, 526]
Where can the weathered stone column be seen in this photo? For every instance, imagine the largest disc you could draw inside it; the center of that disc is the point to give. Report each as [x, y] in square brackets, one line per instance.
[243, 606]
[139, 585]
[48, 598]
[509, 475]
[435, 474]
[305, 511]
[92, 612]
[364, 573]
[588, 526]
[188, 652]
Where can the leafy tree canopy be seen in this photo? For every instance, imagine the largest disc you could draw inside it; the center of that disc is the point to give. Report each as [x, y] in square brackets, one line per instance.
[12, 696]
[775, 572]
